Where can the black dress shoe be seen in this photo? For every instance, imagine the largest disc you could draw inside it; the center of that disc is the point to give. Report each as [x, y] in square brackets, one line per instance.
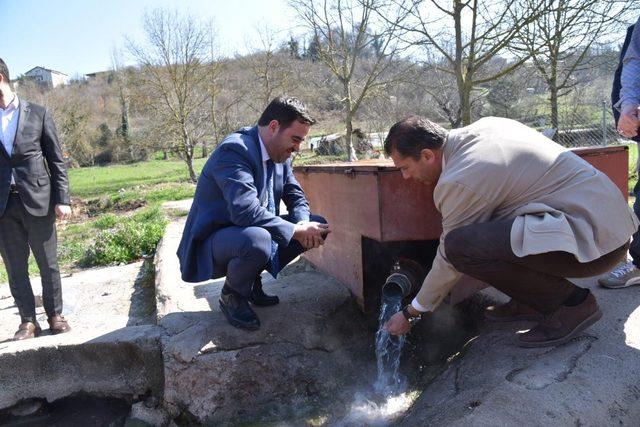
[259, 298]
[238, 312]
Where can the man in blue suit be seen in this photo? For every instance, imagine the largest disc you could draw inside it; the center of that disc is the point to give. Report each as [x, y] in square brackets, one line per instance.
[234, 227]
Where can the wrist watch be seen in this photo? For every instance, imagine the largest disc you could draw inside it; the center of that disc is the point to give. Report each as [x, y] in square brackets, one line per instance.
[410, 317]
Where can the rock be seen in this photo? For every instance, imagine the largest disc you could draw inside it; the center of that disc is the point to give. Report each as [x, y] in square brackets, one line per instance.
[26, 407]
[303, 353]
[151, 416]
[151, 402]
[127, 361]
[591, 380]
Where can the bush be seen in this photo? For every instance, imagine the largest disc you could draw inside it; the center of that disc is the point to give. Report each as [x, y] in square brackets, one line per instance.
[106, 221]
[128, 240]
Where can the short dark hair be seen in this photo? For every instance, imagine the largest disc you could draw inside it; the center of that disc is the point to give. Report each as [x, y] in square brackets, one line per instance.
[412, 135]
[285, 110]
[4, 70]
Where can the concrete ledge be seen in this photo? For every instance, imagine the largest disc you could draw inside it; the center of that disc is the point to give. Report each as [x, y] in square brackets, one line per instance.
[124, 362]
[112, 349]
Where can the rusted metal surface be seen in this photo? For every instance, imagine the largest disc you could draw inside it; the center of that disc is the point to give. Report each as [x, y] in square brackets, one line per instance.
[377, 216]
[613, 161]
[351, 203]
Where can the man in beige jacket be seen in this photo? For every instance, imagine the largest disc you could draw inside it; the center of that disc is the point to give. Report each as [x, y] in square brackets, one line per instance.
[520, 213]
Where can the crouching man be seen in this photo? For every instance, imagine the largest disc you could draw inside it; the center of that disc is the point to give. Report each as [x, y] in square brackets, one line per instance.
[234, 227]
[520, 213]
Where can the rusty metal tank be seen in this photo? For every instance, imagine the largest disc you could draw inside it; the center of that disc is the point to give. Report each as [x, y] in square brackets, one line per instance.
[377, 217]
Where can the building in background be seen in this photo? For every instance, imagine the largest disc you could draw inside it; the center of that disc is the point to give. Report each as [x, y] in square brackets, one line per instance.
[45, 76]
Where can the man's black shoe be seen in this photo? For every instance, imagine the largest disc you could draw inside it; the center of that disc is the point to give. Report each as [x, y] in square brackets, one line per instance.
[238, 312]
[259, 298]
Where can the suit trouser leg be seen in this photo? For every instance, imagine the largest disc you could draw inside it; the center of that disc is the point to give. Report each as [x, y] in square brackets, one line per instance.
[242, 253]
[43, 241]
[484, 251]
[14, 249]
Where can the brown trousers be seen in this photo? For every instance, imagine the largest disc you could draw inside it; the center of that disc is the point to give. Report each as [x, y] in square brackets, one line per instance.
[483, 251]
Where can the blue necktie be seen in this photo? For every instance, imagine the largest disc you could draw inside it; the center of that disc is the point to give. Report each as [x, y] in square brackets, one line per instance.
[274, 263]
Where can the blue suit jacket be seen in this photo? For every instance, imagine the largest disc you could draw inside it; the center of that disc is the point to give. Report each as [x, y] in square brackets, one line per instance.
[230, 191]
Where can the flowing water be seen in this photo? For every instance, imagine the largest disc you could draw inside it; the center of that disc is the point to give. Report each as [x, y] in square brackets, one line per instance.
[389, 397]
[388, 351]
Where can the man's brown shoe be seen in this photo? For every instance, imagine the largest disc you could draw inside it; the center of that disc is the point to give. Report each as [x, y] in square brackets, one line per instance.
[562, 325]
[511, 312]
[58, 325]
[26, 331]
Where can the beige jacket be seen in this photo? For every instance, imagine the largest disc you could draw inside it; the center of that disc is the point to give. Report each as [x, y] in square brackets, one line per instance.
[498, 169]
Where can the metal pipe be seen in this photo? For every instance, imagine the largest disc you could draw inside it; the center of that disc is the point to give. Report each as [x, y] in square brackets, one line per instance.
[404, 281]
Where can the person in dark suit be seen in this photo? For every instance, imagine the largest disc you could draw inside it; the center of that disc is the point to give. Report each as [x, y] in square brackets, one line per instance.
[625, 100]
[234, 227]
[33, 190]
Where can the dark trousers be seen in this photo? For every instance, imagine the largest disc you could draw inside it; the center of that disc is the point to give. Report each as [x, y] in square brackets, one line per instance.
[539, 281]
[634, 248]
[19, 231]
[242, 253]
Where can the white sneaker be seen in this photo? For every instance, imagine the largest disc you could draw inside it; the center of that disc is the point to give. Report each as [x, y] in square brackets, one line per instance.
[625, 274]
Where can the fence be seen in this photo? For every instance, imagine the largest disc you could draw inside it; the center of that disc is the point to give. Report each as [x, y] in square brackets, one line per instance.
[580, 125]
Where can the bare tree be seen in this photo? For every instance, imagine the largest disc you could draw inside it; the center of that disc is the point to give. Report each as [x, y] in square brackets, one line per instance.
[357, 46]
[173, 64]
[465, 37]
[271, 69]
[124, 98]
[560, 41]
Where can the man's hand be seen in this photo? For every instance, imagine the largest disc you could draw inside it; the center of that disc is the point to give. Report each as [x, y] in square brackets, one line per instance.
[311, 234]
[629, 121]
[397, 325]
[63, 211]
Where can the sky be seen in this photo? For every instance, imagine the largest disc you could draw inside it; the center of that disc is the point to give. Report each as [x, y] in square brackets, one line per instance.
[78, 37]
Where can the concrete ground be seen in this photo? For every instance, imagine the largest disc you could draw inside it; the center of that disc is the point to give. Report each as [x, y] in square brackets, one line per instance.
[590, 381]
[95, 299]
[112, 348]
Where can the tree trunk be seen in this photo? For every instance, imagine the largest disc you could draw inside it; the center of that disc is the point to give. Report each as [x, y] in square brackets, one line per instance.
[188, 158]
[192, 173]
[205, 151]
[465, 103]
[553, 99]
[189, 148]
[349, 123]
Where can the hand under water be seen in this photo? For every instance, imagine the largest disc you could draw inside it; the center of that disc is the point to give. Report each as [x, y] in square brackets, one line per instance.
[398, 324]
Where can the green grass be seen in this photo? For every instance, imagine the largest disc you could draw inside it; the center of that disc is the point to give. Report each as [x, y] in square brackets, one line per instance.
[129, 239]
[98, 181]
[110, 192]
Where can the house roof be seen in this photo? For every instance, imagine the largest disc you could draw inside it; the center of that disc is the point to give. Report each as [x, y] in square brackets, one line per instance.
[46, 69]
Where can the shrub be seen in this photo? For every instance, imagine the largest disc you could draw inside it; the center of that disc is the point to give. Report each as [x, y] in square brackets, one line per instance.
[105, 222]
[128, 240]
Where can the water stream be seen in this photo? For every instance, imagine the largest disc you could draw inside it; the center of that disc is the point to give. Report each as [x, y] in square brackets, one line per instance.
[388, 351]
[389, 397]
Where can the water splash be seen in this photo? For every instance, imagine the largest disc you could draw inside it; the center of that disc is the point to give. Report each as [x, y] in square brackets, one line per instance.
[365, 411]
[388, 351]
[389, 397]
